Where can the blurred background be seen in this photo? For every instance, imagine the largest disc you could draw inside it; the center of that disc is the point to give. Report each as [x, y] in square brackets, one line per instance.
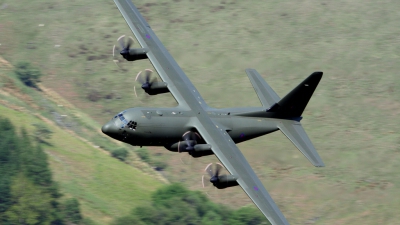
[59, 84]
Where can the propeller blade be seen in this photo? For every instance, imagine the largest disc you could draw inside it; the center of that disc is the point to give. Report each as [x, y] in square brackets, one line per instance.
[121, 49]
[121, 41]
[139, 78]
[130, 42]
[209, 170]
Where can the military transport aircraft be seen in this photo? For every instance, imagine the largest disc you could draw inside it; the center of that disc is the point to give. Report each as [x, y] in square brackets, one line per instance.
[200, 130]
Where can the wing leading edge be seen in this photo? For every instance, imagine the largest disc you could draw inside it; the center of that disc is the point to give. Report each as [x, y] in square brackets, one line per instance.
[234, 161]
[178, 83]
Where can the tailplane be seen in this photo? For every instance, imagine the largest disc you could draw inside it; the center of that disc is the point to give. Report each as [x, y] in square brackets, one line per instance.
[295, 132]
[287, 111]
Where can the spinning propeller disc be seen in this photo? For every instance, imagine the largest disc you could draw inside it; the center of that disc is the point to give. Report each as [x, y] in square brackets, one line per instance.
[121, 48]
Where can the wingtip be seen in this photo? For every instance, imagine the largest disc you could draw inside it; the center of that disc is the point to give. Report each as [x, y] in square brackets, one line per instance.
[248, 69]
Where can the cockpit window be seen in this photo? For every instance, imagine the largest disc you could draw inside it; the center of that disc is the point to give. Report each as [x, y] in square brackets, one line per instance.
[132, 125]
[122, 118]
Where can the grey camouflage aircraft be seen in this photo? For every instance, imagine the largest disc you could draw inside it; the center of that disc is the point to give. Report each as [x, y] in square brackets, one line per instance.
[200, 130]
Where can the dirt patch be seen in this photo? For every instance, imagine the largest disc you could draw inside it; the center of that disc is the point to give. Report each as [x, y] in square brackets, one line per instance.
[4, 64]
[11, 89]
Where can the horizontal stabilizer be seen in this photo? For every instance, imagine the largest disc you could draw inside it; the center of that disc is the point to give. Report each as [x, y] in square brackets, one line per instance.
[265, 93]
[295, 132]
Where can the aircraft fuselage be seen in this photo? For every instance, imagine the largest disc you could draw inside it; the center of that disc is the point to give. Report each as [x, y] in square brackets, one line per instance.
[166, 126]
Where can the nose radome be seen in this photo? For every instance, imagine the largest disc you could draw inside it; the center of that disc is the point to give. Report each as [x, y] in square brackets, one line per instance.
[108, 128]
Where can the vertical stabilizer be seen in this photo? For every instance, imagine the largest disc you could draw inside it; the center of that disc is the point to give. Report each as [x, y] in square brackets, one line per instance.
[294, 103]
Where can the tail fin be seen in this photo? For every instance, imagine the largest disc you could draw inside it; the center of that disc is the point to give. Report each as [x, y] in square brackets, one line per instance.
[288, 110]
[294, 103]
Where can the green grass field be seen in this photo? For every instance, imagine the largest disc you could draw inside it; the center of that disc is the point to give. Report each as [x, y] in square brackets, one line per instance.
[352, 118]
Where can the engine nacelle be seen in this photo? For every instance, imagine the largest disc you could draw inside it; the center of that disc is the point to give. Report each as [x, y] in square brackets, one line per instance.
[199, 150]
[136, 54]
[157, 88]
[226, 181]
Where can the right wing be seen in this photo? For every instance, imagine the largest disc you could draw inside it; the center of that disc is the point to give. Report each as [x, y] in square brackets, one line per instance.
[232, 158]
[178, 83]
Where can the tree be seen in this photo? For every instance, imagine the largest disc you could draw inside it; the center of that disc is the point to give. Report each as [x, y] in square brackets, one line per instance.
[30, 204]
[28, 194]
[28, 74]
[72, 212]
[176, 205]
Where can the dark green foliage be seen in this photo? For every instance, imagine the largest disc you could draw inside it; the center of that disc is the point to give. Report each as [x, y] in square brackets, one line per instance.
[72, 212]
[8, 163]
[87, 221]
[31, 204]
[248, 216]
[174, 204]
[159, 165]
[28, 74]
[120, 153]
[28, 194]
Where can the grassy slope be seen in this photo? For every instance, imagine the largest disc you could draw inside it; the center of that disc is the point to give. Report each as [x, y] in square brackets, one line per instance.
[352, 119]
[105, 187]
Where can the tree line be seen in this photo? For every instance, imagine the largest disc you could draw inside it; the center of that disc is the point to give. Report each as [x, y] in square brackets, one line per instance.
[176, 205]
[28, 194]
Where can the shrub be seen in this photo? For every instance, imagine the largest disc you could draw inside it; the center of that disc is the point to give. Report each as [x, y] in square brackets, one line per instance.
[159, 165]
[144, 155]
[120, 153]
[28, 74]
[42, 132]
[94, 95]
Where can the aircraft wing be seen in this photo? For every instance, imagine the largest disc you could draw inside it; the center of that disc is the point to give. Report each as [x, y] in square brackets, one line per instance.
[170, 72]
[189, 98]
[234, 161]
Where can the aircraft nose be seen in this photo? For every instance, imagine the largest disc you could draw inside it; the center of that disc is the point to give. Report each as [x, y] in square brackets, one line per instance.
[109, 128]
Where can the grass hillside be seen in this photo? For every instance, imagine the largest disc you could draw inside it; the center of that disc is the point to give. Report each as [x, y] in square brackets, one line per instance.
[352, 118]
[105, 187]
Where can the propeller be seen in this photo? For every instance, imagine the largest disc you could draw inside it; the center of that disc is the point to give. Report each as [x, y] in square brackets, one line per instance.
[190, 139]
[122, 48]
[187, 145]
[212, 173]
[144, 80]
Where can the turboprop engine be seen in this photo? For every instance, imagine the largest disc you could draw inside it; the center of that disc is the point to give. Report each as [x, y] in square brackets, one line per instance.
[219, 181]
[191, 146]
